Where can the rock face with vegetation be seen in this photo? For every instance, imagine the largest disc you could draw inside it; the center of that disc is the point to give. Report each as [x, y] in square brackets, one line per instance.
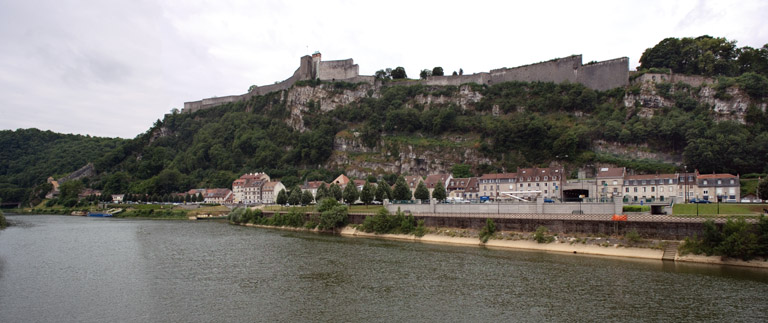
[715, 122]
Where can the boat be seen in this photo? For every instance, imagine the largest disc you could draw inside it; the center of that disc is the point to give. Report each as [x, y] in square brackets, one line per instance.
[100, 214]
[79, 213]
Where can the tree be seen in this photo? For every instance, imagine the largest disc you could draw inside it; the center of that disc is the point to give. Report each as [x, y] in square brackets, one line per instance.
[421, 193]
[401, 191]
[282, 197]
[335, 192]
[437, 71]
[384, 74]
[461, 171]
[350, 193]
[200, 197]
[461, 71]
[439, 192]
[381, 193]
[251, 88]
[367, 193]
[322, 192]
[762, 189]
[70, 189]
[332, 214]
[399, 73]
[424, 74]
[294, 198]
[306, 197]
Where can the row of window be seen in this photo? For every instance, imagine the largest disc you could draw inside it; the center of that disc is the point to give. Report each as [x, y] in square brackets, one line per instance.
[511, 187]
[512, 180]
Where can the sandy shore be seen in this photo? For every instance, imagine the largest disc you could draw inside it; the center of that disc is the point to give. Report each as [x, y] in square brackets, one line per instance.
[577, 248]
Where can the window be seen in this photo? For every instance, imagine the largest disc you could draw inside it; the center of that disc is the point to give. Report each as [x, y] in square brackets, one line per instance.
[635, 189]
[626, 190]
[626, 182]
[731, 181]
[719, 181]
[670, 181]
[615, 182]
[653, 188]
[645, 189]
[643, 182]
[704, 182]
[546, 178]
[661, 189]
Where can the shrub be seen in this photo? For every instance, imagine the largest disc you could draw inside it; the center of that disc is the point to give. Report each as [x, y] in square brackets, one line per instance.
[632, 237]
[332, 214]
[487, 230]
[420, 230]
[738, 240]
[541, 235]
[636, 208]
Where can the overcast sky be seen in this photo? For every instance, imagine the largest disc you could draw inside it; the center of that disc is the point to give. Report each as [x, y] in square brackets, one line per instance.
[111, 68]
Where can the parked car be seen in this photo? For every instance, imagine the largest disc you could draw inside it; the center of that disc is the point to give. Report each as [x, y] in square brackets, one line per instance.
[700, 201]
[548, 200]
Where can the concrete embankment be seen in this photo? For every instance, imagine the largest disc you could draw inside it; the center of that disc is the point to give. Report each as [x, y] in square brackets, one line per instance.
[566, 248]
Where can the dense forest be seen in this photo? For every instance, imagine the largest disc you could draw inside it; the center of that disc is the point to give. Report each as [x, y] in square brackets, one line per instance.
[515, 124]
[30, 156]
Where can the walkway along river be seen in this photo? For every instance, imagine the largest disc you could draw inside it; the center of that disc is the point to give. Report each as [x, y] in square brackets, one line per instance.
[75, 269]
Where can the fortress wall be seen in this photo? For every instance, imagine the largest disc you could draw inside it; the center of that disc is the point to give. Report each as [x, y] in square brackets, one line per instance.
[556, 71]
[605, 75]
[337, 70]
[479, 78]
[692, 80]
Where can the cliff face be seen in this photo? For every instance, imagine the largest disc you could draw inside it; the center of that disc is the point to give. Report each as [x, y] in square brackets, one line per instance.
[651, 92]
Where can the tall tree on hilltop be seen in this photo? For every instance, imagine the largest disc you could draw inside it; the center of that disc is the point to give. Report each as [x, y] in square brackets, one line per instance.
[399, 73]
[437, 71]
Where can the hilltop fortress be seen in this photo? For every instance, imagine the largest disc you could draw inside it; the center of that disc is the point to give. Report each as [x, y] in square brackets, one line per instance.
[603, 75]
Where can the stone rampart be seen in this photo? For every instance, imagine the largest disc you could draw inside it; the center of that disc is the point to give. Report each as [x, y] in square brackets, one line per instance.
[692, 80]
[599, 76]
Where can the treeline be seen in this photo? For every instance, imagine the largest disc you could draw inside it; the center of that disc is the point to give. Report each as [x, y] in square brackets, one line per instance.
[30, 156]
[705, 55]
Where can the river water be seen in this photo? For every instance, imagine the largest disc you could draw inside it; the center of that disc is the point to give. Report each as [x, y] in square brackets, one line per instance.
[79, 269]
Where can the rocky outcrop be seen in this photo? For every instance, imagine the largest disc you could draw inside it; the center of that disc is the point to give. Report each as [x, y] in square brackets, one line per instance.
[86, 171]
[645, 95]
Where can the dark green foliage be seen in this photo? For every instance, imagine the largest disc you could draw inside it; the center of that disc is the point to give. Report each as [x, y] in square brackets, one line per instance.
[736, 238]
[306, 197]
[461, 171]
[368, 193]
[401, 191]
[542, 235]
[291, 219]
[70, 189]
[294, 198]
[439, 192]
[282, 197]
[702, 55]
[332, 214]
[424, 74]
[322, 192]
[398, 73]
[437, 71]
[3, 222]
[488, 230]
[381, 192]
[384, 223]
[350, 193]
[335, 192]
[763, 189]
[421, 193]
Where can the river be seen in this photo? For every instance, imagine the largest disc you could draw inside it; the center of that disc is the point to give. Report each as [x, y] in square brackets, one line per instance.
[79, 269]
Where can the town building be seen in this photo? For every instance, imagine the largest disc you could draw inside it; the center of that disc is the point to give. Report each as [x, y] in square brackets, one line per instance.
[270, 190]
[610, 181]
[652, 187]
[433, 179]
[718, 187]
[492, 185]
[217, 195]
[247, 188]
